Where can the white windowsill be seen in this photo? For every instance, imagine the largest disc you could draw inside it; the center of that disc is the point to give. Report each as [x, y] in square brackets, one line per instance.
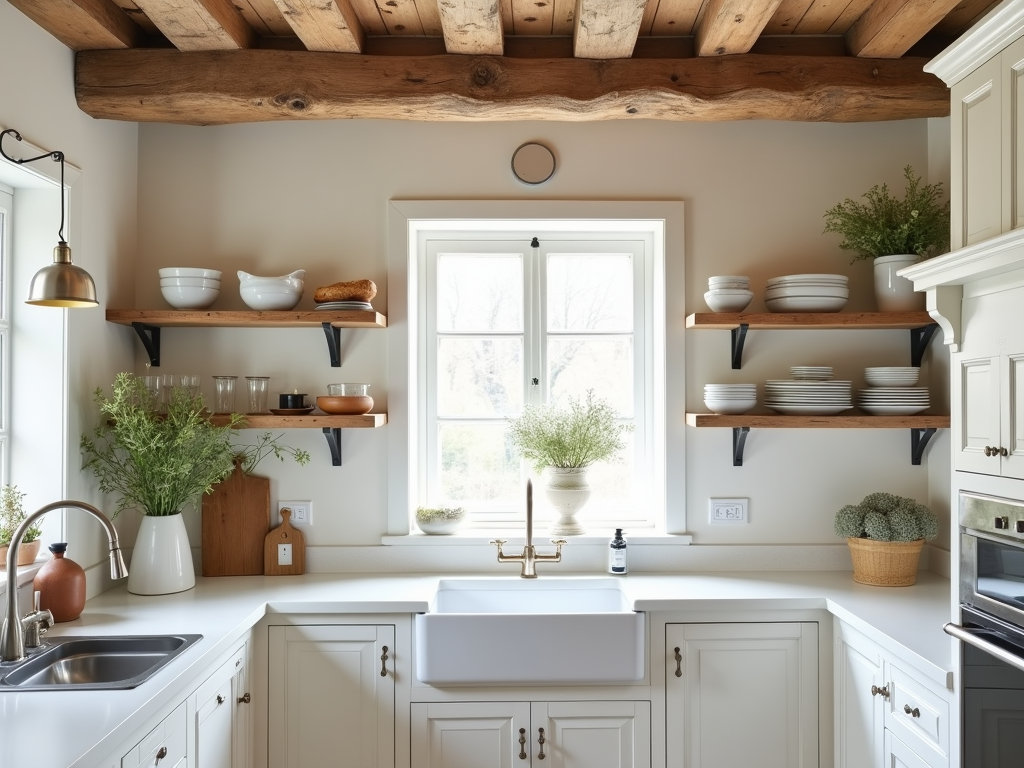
[25, 574]
[517, 538]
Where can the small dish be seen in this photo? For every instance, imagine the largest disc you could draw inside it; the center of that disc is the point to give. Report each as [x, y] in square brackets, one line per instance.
[292, 411]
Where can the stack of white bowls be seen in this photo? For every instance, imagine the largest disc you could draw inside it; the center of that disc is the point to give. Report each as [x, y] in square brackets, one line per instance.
[892, 392]
[811, 372]
[894, 376]
[728, 294]
[806, 293]
[730, 398]
[189, 287]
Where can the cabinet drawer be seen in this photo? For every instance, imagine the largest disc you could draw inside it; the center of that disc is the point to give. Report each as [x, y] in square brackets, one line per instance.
[919, 714]
[169, 736]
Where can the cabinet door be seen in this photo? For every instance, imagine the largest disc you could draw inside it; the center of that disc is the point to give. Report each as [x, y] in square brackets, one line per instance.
[747, 695]
[593, 734]
[993, 727]
[978, 425]
[471, 735]
[1013, 126]
[214, 732]
[1012, 416]
[899, 755]
[329, 703]
[859, 711]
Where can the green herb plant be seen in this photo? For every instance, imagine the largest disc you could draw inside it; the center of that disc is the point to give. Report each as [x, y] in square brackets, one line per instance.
[884, 226]
[157, 462]
[12, 513]
[434, 514]
[568, 438]
[886, 517]
[267, 444]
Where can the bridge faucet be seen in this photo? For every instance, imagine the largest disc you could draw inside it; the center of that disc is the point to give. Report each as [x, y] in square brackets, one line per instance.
[529, 557]
[12, 637]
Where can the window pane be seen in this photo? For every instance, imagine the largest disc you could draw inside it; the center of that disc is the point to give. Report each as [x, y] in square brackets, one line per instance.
[604, 365]
[479, 377]
[590, 292]
[479, 292]
[477, 463]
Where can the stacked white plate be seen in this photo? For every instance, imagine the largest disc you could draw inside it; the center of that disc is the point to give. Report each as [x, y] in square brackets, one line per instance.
[893, 401]
[811, 372]
[806, 293]
[728, 293]
[808, 398]
[338, 305]
[896, 376]
[730, 398]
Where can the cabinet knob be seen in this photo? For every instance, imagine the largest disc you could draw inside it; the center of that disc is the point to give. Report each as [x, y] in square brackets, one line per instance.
[1002, 522]
[245, 698]
[220, 698]
[988, 450]
[915, 712]
[883, 691]
[1003, 452]
[161, 754]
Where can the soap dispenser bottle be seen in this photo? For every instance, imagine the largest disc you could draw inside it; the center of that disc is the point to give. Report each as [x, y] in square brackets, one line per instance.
[618, 563]
[61, 585]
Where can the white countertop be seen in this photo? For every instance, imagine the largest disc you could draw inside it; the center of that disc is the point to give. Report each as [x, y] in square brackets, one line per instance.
[78, 728]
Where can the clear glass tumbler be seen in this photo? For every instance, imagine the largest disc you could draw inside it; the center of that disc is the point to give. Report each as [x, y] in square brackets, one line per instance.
[224, 394]
[258, 388]
[152, 383]
[190, 383]
[347, 390]
[166, 389]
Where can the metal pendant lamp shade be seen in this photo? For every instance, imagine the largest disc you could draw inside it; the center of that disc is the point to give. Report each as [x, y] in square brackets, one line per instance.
[61, 284]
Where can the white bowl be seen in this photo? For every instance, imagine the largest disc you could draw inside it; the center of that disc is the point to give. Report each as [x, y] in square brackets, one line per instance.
[805, 304]
[210, 274]
[190, 282]
[729, 407]
[840, 291]
[728, 302]
[189, 297]
[728, 279]
[270, 301]
[793, 279]
[268, 294]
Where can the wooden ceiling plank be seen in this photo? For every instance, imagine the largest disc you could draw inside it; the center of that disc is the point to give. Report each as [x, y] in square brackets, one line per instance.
[430, 17]
[135, 13]
[369, 17]
[222, 87]
[889, 28]
[532, 17]
[563, 20]
[472, 26]
[321, 26]
[849, 17]
[264, 17]
[676, 17]
[650, 11]
[84, 24]
[200, 25]
[400, 17]
[787, 17]
[607, 29]
[732, 26]
[964, 16]
[820, 17]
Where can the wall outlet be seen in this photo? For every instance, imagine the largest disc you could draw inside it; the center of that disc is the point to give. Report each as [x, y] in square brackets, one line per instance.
[284, 554]
[727, 511]
[302, 511]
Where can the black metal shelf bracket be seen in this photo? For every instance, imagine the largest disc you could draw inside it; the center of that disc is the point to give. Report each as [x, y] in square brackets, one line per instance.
[333, 435]
[919, 338]
[739, 335]
[919, 438]
[150, 337]
[333, 334]
[739, 439]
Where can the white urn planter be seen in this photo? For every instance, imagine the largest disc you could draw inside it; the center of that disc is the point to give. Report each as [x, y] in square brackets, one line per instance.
[892, 292]
[162, 559]
[567, 491]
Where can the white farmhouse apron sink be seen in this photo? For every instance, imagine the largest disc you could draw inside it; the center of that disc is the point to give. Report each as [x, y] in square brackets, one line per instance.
[544, 631]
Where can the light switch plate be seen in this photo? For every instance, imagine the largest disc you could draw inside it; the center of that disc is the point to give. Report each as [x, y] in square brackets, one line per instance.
[284, 554]
[727, 511]
[302, 512]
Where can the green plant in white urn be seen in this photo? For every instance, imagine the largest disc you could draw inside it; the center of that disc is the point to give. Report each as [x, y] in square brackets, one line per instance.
[563, 443]
[12, 514]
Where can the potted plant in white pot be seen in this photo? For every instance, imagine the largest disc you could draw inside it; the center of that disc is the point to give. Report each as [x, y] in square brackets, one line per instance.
[885, 534]
[562, 443]
[158, 463]
[895, 234]
[12, 513]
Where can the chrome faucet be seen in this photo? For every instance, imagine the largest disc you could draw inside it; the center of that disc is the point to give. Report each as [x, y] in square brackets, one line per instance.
[529, 557]
[15, 630]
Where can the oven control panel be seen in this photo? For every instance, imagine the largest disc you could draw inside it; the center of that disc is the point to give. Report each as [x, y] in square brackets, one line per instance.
[993, 515]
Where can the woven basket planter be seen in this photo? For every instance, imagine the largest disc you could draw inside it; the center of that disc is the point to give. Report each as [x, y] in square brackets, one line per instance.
[885, 563]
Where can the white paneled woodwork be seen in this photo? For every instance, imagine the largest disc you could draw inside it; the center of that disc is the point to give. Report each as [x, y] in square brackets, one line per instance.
[1013, 145]
[978, 426]
[899, 755]
[594, 734]
[471, 734]
[214, 736]
[994, 727]
[860, 709]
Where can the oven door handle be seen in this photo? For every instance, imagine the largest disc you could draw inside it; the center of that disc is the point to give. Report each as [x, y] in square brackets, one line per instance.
[973, 637]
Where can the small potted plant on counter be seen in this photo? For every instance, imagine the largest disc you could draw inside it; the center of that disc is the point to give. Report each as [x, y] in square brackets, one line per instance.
[885, 534]
[12, 513]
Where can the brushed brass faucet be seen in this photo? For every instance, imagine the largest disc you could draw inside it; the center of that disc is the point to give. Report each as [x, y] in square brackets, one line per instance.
[529, 557]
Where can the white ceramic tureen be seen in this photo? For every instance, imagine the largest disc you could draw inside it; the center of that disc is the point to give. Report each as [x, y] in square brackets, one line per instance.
[271, 293]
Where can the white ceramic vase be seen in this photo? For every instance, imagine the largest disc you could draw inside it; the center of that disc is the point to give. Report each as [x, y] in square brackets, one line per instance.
[892, 292]
[162, 559]
[567, 491]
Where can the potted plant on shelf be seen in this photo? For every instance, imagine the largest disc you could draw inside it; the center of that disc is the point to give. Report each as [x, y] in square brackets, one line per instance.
[158, 463]
[12, 513]
[563, 443]
[885, 534]
[895, 233]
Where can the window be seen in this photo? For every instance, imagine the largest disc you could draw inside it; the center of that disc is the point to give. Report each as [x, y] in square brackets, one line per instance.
[6, 211]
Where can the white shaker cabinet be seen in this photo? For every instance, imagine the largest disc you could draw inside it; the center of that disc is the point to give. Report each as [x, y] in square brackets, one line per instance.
[742, 694]
[222, 716]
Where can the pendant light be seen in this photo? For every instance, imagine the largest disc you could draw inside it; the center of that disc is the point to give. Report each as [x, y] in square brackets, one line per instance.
[60, 284]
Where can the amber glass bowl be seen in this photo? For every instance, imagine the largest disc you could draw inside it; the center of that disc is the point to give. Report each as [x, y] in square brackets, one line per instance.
[347, 405]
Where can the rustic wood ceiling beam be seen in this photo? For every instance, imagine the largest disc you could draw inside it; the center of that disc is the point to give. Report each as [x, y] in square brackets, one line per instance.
[732, 26]
[607, 29]
[321, 26]
[472, 26]
[84, 25]
[200, 25]
[221, 87]
[889, 28]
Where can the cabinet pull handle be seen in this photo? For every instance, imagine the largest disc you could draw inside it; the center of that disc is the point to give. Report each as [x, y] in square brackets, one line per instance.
[1003, 452]
[245, 698]
[915, 712]
[522, 743]
[384, 662]
[679, 663]
[988, 450]
[160, 755]
[541, 740]
[220, 698]
[883, 691]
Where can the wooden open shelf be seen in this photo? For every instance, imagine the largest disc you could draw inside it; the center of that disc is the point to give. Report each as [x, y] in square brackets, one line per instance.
[763, 321]
[856, 421]
[309, 421]
[181, 318]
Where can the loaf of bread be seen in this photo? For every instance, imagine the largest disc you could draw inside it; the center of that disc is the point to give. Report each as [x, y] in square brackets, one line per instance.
[353, 290]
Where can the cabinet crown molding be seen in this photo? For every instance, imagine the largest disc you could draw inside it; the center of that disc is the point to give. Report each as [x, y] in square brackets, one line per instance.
[995, 256]
[1000, 27]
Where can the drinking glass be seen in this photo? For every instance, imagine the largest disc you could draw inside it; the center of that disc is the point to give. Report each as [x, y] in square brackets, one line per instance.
[258, 388]
[347, 390]
[190, 383]
[224, 394]
[152, 383]
[166, 388]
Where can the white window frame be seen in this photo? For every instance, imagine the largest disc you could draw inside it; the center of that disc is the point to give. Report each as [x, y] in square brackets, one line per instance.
[6, 220]
[407, 218]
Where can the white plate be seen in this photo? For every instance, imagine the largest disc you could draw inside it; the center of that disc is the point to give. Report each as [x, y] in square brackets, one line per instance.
[805, 278]
[893, 410]
[805, 304]
[808, 410]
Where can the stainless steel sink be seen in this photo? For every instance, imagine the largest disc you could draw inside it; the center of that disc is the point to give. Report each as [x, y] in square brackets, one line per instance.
[93, 663]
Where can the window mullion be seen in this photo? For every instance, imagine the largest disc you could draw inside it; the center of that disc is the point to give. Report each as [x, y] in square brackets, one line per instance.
[534, 347]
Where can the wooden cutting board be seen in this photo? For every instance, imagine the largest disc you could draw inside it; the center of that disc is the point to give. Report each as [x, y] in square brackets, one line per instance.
[236, 518]
[282, 535]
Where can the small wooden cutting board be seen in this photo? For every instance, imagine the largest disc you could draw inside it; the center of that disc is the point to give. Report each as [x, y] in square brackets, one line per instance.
[236, 518]
[282, 535]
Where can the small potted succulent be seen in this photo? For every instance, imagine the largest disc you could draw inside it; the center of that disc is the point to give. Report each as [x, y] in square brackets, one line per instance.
[440, 520]
[885, 534]
[11, 516]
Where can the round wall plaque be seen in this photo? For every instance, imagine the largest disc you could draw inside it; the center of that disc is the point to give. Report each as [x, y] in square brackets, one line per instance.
[533, 163]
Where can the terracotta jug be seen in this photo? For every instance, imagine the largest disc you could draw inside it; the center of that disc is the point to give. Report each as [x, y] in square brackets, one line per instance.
[61, 585]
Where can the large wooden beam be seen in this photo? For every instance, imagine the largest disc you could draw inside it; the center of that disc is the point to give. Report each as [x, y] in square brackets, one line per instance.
[84, 25]
[331, 26]
[200, 25]
[607, 29]
[219, 87]
[471, 26]
[732, 26]
[889, 28]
